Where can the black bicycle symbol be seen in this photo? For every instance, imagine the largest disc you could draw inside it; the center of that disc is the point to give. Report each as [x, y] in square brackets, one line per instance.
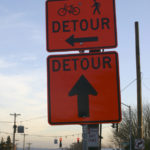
[70, 9]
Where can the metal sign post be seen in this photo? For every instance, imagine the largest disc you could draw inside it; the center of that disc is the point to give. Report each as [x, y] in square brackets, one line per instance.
[84, 136]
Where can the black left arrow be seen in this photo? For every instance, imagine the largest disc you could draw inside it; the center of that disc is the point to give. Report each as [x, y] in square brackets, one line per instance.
[71, 40]
[83, 89]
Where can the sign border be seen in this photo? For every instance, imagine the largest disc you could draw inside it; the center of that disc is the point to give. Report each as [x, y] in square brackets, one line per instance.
[77, 49]
[84, 122]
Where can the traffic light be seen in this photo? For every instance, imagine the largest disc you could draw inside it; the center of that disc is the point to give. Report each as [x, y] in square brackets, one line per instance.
[78, 140]
[60, 142]
[113, 125]
[117, 127]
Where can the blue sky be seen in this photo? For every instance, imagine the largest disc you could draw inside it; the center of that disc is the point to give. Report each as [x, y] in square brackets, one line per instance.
[23, 55]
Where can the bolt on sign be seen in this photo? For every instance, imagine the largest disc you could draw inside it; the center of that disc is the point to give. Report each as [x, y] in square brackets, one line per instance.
[80, 24]
[83, 88]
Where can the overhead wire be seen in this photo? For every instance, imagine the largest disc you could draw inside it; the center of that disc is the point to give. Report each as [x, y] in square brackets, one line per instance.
[146, 86]
[5, 132]
[6, 122]
[56, 136]
[45, 136]
[130, 83]
[34, 118]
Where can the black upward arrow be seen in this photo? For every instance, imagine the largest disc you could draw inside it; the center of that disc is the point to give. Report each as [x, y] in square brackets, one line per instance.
[83, 88]
[71, 40]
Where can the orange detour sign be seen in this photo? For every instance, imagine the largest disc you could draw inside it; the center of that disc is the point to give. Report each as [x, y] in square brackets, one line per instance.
[83, 88]
[80, 24]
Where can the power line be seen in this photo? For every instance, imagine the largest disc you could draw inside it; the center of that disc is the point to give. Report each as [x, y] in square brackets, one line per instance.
[34, 118]
[128, 85]
[6, 122]
[146, 86]
[5, 132]
[56, 136]
[47, 136]
[25, 120]
[146, 78]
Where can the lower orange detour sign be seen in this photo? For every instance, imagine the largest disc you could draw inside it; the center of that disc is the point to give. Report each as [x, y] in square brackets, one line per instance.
[83, 88]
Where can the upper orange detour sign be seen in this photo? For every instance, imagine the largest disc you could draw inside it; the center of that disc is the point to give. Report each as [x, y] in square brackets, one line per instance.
[80, 24]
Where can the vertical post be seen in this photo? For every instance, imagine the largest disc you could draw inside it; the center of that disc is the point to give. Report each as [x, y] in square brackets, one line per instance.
[14, 132]
[24, 141]
[138, 72]
[85, 127]
[84, 137]
[97, 125]
[100, 145]
[29, 145]
[14, 127]
[24, 137]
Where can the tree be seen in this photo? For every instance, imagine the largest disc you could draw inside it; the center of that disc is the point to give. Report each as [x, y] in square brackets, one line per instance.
[8, 140]
[2, 144]
[123, 134]
[8, 143]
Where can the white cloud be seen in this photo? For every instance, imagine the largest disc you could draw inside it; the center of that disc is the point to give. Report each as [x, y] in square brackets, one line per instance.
[11, 20]
[19, 25]
[13, 86]
[24, 92]
[29, 58]
[38, 35]
[6, 64]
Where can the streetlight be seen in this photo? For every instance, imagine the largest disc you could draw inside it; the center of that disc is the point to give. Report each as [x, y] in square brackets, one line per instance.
[129, 107]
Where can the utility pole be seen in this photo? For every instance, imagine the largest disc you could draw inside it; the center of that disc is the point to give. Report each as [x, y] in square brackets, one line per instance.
[24, 137]
[138, 72]
[15, 126]
[29, 145]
